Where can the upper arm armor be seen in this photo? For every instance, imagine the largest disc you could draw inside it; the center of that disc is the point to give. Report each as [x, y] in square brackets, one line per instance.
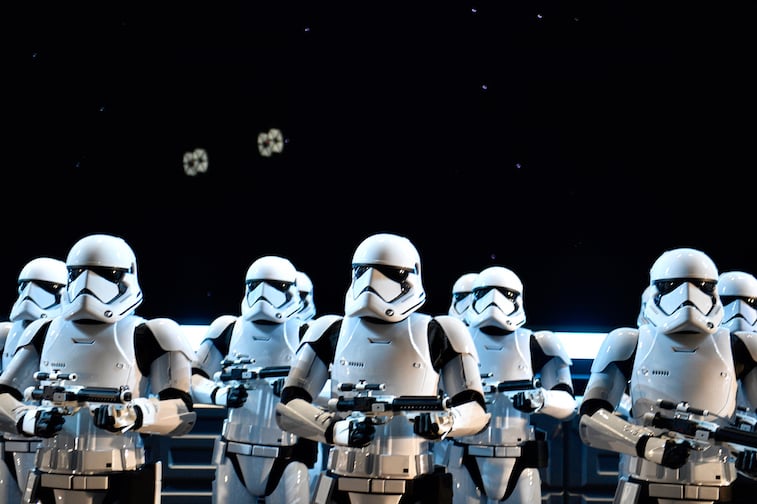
[322, 335]
[552, 346]
[619, 346]
[170, 336]
[29, 334]
[457, 334]
[214, 346]
[749, 339]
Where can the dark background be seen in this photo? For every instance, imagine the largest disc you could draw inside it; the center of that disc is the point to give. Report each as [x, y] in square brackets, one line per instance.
[570, 141]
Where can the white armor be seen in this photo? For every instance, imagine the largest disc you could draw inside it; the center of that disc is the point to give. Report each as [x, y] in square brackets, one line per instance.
[506, 455]
[271, 463]
[104, 376]
[41, 285]
[680, 357]
[382, 350]
[462, 295]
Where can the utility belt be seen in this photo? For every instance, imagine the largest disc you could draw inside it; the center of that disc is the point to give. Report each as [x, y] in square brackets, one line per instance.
[59, 461]
[355, 463]
[75, 482]
[676, 491]
[15, 446]
[533, 453]
[255, 450]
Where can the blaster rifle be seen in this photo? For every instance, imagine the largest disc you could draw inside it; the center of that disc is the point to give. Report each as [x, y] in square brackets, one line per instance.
[69, 398]
[245, 374]
[682, 420]
[509, 385]
[384, 405]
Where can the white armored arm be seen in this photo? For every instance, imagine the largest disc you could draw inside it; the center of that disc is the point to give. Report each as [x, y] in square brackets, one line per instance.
[558, 404]
[305, 420]
[461, 379]
[168, 411]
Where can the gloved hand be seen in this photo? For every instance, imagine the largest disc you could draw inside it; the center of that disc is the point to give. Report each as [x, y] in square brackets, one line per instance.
[278, 386]
[746, 463]
[667, 452]
[232, 396]
[41, 422]
[356, 432]
[118, 417]
[529, 401]
[432, 426]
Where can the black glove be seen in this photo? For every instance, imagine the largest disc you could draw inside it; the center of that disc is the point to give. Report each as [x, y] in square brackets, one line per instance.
[278, 386]
[236, 396]
[361, 433]
[104, 417]
[746, 462]
[426, 427]
[674, 455]
[523, 403]
[47, 422]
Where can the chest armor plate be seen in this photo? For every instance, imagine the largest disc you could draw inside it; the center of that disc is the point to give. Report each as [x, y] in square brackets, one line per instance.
[700, 372]
[100, 354]
[268, 345]
[396, 355]
[505, 358]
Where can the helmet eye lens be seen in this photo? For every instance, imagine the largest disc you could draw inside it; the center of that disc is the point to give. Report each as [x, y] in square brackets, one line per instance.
[667, 286]
[51, 287]
[113, 275]
[276, 284]
[459, 296]
[398, 275]
[752, 302]
[483, 291]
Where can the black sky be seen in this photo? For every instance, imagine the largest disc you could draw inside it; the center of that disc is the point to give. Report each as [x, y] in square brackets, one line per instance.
[571, 141]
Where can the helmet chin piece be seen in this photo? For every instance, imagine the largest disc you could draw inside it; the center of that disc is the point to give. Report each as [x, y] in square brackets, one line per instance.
[368, 304]
[88, 307]
[685, 318]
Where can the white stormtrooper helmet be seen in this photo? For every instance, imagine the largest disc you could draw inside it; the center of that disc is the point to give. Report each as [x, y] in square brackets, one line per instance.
[307, 304]
[41, 284]
[386, 279]
[102, 280]
[462, 295]
[738, 293]
[270, 290]
[497, 300]
[686, 296]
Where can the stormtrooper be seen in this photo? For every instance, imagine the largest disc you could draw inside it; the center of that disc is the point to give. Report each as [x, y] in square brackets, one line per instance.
[41, 285]
[92, 380]
[524, 373]
[681, 369]
[462, 295]
[738, 293]
[388, 364]
[241, 363]
[305, 287]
